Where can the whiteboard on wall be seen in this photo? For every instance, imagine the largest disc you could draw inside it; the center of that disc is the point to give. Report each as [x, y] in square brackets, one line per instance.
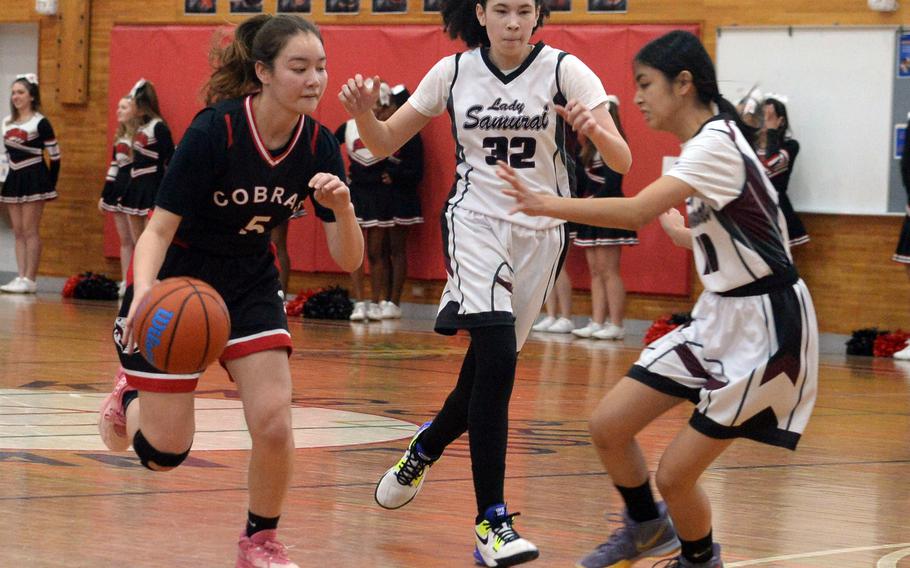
[18, 55]
[839, 84]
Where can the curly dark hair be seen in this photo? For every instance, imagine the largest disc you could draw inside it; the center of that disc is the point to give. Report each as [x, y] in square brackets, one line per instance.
[459, 20]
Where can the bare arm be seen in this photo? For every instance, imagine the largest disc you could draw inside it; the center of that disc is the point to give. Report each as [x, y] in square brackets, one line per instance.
[148, 258]
[618, 212]
[382, 138]
[598, 126]
[344, 237]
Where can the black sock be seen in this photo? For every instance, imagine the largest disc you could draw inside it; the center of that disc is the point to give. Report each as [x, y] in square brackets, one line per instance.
[698, 551]
[255, 523]
[640, 502]
[128, 397]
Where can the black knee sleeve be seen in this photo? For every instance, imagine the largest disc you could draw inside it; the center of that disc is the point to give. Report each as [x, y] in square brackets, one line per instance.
[147, 453]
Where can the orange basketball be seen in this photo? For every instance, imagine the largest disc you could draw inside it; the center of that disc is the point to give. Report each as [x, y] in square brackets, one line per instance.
[182, 325]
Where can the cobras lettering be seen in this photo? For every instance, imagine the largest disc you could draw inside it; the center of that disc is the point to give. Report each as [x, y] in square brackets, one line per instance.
[259, 194]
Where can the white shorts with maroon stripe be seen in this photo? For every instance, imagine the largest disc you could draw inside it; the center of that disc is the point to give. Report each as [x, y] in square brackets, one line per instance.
[499, 273]
[750, 365]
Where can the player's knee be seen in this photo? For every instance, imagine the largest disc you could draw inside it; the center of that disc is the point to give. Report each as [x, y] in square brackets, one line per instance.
[153, 458]
[671, 481]
[272, 429]
[607, 430]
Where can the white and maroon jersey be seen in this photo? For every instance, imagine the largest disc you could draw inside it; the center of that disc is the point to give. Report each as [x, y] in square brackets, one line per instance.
[25, 143]
[121, 158]
[508, 116]
[152, 148]
[738, 231]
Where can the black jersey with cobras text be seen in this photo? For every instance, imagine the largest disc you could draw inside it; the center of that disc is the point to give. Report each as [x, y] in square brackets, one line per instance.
[231, 190]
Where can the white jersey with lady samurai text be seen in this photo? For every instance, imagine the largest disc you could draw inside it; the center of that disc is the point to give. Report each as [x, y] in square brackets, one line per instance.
[508, 116]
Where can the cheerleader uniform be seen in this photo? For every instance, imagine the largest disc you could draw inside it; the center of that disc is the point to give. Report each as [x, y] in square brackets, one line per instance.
[902, 254]
[152, 150]
[778, 159]
[380, 204]
[601, 181]
[29, 178]
[118, 176]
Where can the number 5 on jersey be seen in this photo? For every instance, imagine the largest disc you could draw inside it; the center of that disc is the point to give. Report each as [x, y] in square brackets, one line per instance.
[256, 224]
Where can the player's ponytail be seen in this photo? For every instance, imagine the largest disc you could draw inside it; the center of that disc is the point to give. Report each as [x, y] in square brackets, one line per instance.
[459, 20]
[679, 51]
[234, 72]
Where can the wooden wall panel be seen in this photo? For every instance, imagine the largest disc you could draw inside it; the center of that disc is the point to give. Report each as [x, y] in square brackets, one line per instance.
[847, 264]
[72, 50]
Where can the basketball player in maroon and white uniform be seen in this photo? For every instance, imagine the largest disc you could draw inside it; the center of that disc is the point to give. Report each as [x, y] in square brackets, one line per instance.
[748, 361]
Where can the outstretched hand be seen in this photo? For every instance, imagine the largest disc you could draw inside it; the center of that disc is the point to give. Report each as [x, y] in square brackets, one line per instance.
[579, 117]
[331, 192]
[358, 95]
[526, 201]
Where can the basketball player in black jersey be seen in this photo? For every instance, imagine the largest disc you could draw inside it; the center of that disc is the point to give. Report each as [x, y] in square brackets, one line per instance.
[245, 165]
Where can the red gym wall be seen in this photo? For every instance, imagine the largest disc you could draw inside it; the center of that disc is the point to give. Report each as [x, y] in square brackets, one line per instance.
[178, 66]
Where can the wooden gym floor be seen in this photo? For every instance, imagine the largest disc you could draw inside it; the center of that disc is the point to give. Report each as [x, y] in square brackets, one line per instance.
[840, 501]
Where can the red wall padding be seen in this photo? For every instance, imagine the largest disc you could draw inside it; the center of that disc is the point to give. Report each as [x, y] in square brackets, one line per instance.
[178, 66]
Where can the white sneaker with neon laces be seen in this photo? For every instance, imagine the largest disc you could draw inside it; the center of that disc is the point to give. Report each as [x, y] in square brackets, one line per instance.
[497, 543]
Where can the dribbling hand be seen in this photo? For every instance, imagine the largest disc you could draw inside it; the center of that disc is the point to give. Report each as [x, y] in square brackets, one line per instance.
[358, 95]
[139, 292]
[526, 201]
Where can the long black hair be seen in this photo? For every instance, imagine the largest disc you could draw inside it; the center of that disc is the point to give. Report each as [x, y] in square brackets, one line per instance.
[260, 38]
[781, 110]
[459, 20]
[679, 51]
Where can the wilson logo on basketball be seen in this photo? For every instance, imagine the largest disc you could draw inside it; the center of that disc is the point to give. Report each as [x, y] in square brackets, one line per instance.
[160, 321]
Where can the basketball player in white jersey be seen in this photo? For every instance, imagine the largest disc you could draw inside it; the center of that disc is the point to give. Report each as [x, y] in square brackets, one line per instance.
[749, 358]
[501, 96]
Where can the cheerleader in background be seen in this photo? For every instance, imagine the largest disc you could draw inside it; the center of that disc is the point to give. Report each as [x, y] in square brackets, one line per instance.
[603, 246]
[118, 176]
[30, 181]
[777, 152]
[152, 150]
[384, 192]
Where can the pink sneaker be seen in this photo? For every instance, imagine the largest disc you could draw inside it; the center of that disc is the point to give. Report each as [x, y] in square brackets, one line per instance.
[262, 550]
[112, 419]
